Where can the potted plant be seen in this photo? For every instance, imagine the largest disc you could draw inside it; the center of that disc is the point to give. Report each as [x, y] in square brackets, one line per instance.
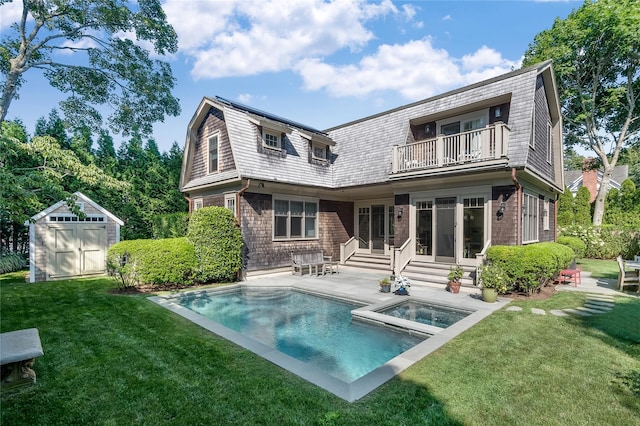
[493, 280]
[455, 274]
[385, 285]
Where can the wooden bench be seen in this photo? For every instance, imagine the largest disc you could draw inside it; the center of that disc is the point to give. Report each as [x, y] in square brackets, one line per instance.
[568, 275]
[18, 349]
[315, 262]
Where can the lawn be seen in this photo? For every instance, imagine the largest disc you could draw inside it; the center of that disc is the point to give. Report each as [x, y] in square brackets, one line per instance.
[120, 359]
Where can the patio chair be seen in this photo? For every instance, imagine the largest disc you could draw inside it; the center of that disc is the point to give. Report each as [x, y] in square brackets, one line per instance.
[626, 278]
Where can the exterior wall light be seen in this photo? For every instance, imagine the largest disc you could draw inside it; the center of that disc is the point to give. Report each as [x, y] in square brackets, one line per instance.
[400, 211]
[501, 210]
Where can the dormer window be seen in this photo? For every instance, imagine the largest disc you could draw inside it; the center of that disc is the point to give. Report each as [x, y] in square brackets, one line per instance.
[271, 139]
[319, 152]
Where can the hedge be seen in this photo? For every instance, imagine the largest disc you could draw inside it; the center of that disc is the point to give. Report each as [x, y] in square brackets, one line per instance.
[165, 261]
[217, 241]
[576, 244]
[606, 241]
[532, 266]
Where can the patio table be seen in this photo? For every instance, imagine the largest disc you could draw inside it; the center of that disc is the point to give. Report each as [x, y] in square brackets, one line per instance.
[632, 264]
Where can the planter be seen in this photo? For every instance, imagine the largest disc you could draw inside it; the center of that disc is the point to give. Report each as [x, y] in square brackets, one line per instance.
[385, 288]
[454, 287]
[489, 295]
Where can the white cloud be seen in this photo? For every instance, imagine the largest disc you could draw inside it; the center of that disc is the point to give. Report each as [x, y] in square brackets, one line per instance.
[416, 70]
[245, 98]
[446, 18]
[10, 13]
[238, 37]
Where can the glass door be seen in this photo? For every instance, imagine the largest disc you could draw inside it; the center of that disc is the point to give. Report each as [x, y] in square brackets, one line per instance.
[445, 244]
[363, 228]
[424, 228]
[378, 234]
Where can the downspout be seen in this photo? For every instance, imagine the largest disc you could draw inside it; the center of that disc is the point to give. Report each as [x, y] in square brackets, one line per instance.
[518, 205]
[238, 195]
[189, 202]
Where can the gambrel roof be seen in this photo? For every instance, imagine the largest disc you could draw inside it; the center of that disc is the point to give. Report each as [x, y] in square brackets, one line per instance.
[361, 151]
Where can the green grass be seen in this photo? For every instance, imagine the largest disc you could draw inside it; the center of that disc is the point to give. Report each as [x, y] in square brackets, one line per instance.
[115, 359]
[607, 269]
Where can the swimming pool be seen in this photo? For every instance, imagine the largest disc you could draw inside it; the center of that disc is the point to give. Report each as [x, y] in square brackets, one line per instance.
[356, 289]
[316, 330]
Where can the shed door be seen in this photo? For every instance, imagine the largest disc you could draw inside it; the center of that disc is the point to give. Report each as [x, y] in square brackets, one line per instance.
[76, 249]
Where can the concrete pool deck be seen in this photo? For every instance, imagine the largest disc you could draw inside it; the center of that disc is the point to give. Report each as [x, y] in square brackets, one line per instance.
[356, 285]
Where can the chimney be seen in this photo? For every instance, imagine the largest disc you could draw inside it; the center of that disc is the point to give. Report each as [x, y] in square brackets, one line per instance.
[590, 177]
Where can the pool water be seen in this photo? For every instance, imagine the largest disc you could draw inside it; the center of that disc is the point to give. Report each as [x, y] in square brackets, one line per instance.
[316, 330]
[427, 313]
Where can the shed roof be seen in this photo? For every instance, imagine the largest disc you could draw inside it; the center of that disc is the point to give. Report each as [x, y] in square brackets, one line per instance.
[82, 197]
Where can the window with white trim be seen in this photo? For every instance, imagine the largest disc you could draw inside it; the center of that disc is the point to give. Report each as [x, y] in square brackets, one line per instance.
[294, 218]
[529, 218]
[230, 203]
[549, 141]
[271, 139]
[545, 215]
[319, 152]
[197, 204]
[213, 154]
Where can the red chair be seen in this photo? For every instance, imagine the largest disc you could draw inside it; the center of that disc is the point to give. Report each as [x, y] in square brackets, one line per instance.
[568, 275]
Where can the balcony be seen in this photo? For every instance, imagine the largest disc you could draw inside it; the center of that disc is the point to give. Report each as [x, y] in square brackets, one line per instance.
[472, 148]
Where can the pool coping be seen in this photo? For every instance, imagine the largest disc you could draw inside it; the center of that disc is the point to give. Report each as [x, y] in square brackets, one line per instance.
[364, 385]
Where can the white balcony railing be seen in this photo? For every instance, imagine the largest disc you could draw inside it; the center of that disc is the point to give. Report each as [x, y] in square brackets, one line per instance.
[484, 144]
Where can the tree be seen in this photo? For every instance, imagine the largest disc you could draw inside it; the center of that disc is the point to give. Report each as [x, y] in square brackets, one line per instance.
[582, 206]
[566, 214]
[106, 66]
[596, 54]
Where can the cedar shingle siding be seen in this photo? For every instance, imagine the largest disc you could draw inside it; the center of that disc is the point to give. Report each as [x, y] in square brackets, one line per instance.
[212, 124]
[538, 154]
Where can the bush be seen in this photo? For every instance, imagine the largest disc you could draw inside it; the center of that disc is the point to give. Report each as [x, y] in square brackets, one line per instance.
[165, 261]
[576, 244]
[532, 266]
[11, 262]
[605, 242]
[217, 241]
[172, 225]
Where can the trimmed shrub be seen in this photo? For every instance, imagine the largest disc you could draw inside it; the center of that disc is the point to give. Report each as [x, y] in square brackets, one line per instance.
[171, 225]
[576, 244]
[165, 261]
[217, 241]
[11, 262]
[530, 267]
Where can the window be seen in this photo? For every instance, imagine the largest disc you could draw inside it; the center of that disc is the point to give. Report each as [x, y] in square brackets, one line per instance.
[197, 204]
[529, 218]
[319, 152]
[549, 142]
[213, 154]
[270, 139]
[230, 203]
[545, 215]
[294, 219]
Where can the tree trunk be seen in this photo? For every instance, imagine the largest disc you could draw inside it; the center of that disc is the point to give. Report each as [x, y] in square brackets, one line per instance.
[598, 211]
[8, 93]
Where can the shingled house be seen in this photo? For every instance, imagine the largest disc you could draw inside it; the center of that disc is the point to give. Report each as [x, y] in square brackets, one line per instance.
[412, 190]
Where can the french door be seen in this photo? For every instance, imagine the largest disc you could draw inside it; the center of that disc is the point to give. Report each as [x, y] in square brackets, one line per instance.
[374, 228]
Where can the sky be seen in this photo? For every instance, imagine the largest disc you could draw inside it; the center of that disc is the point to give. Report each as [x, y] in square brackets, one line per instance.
[323, 63]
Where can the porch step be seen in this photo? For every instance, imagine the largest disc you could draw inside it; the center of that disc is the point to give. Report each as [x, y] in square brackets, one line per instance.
[376, 262]
[436, 273]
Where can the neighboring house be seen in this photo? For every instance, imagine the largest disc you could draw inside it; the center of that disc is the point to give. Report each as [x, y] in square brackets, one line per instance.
[428, 184]
[591, 179]
[64, 245]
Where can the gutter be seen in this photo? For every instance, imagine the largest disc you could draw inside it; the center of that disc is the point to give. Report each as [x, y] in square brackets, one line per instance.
[238, 196]
[518, 205]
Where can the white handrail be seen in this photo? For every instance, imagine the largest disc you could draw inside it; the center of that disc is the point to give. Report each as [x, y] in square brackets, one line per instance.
[348, 249]
[488, 143]
[402, 257]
